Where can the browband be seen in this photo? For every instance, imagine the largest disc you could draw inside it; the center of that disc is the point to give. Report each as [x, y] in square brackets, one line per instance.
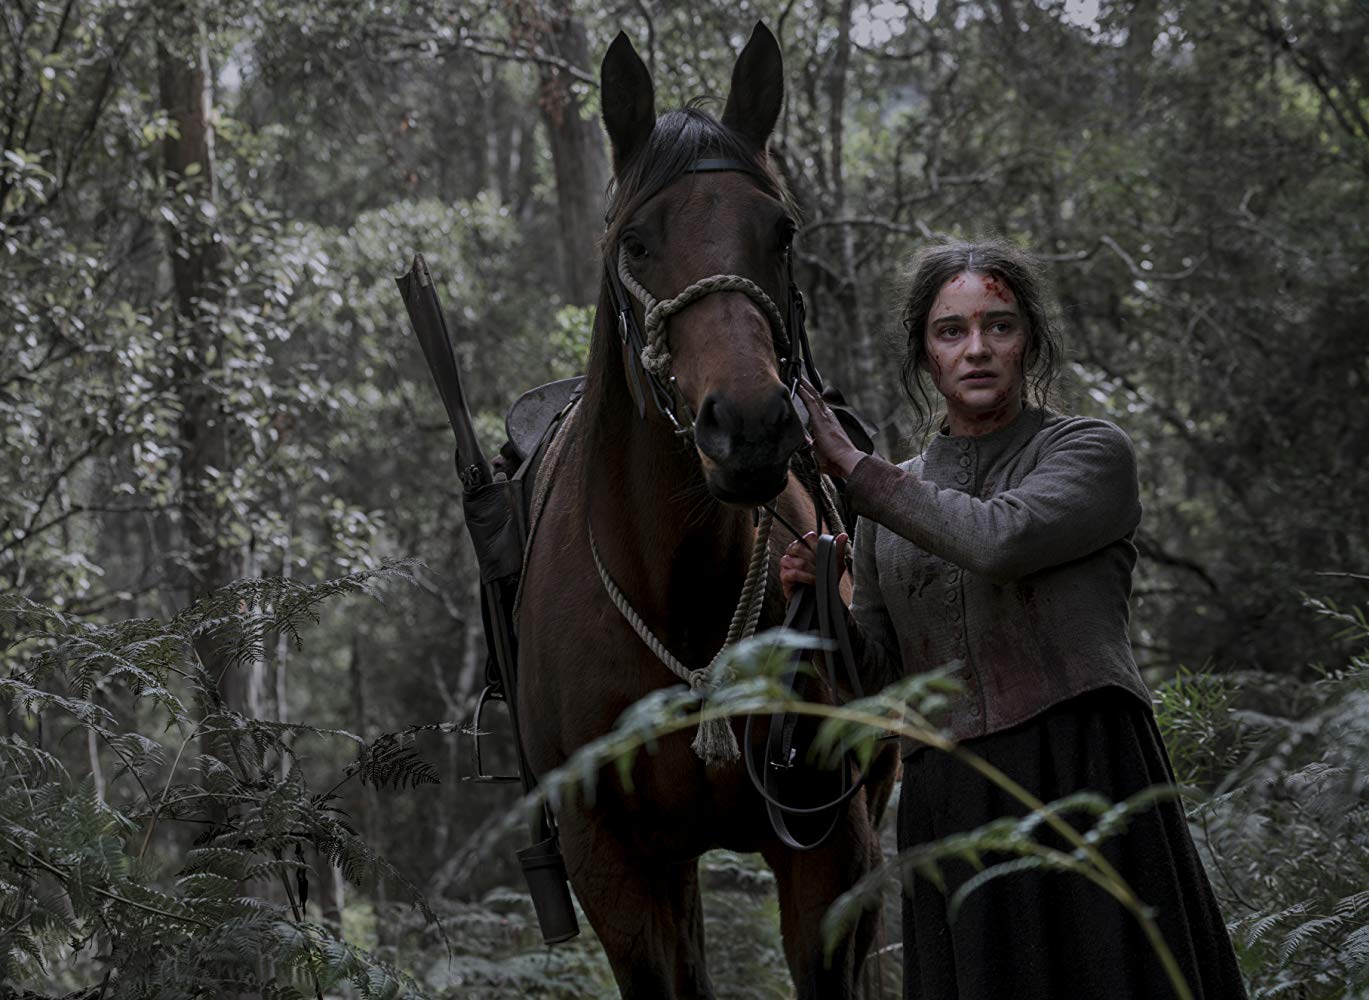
[711, 165]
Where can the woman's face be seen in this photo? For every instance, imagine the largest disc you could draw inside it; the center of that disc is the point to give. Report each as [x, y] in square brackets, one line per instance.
[976, 337]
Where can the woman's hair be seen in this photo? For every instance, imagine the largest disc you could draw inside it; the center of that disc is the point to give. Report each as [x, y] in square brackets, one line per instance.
[934, 265]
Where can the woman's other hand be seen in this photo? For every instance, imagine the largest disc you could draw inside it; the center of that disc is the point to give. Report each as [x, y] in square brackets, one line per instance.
[798, 565]
[837, 456]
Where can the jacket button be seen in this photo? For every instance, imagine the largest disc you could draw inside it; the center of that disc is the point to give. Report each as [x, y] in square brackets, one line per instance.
[974, 711]
[964, 445]
[963, 478]
[965, 461]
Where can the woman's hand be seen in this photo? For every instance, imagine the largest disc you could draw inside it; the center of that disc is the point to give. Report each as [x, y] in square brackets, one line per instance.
[798, 565]
[837, 456]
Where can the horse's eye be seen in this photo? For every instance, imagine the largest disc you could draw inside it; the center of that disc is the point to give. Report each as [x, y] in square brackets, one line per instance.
[636, 249]
[787, 231]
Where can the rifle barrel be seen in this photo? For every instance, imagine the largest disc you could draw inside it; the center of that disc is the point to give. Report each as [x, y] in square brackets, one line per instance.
[425, 313]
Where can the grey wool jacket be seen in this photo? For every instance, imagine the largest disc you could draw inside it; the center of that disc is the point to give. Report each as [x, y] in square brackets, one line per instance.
[1007, 556]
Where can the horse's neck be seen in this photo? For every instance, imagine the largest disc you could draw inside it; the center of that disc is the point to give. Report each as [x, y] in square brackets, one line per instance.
[678, 555]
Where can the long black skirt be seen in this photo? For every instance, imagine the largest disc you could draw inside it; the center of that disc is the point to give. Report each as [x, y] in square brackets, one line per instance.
[1055, 935]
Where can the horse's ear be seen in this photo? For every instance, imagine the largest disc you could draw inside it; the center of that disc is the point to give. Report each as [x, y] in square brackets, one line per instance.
[628, 100]
[753, 106]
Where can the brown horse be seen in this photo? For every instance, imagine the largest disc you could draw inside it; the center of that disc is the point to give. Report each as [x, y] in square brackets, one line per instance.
[672, 519]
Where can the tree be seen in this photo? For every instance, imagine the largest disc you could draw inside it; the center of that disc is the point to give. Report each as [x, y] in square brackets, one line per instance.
[576, 139]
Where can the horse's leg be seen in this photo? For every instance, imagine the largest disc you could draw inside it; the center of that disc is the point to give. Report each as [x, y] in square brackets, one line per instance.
[648, 915]
[809, 882]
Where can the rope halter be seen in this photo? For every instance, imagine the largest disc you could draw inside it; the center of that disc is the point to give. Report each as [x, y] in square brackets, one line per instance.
[655, 356]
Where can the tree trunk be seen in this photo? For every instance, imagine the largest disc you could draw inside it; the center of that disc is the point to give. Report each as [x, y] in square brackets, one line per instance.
[196, 269]
[577, 144]
[330, 891]
[97, 774]
[863, 389]
[197, 265]
[369, 803]
[1143, 27]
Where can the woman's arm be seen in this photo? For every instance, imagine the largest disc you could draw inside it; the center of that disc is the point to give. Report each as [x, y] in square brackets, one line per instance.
[1081, 496]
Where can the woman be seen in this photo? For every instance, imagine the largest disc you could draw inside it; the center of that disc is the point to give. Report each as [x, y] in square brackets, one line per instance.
[1005, 551]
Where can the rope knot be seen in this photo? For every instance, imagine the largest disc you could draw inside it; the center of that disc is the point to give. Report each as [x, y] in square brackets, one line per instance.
[656, 359]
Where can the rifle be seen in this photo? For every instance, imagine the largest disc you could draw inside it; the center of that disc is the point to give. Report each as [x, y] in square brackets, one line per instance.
[497, 535]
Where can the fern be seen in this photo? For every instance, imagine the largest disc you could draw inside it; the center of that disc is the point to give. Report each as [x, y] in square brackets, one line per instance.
[84, 884]
[393, 761]
[1286, 827]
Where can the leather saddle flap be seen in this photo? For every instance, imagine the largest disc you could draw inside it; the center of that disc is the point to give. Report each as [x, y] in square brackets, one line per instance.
[530, 416]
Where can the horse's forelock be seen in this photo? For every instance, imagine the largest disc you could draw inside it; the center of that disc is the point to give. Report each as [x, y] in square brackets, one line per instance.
[679, 139]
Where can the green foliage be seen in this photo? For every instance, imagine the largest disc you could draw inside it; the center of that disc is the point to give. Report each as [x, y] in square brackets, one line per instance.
[749, 684]
[83, 892]
[1193, 709]
[1286, 825]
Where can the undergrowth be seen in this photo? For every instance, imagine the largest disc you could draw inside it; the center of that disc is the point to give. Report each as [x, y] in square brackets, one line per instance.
[1282, 767]
[215, 904]
[187, 871]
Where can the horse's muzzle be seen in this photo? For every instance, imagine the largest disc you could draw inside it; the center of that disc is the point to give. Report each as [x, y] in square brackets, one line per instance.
[746, 447]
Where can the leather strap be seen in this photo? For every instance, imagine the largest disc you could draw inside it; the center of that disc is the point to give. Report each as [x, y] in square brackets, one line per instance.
[709, 165]
[643, 383]
[819, 606]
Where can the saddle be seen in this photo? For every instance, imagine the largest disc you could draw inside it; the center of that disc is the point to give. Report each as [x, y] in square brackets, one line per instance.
[537, 425]
[499, 515]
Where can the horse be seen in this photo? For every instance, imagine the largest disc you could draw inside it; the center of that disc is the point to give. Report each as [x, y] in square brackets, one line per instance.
[662, 505]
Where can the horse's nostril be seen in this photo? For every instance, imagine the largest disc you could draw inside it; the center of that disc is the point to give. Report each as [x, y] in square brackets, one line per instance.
[778, 410]
[784, 422]
[713, 428]
[759, 435]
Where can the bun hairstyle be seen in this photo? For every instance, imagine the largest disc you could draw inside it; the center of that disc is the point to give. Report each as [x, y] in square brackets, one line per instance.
[937, 263]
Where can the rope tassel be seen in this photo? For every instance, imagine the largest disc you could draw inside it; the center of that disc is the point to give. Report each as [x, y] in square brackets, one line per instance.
[715, 742]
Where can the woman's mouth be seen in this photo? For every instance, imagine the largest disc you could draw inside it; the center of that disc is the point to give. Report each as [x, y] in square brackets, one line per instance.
[979, 377]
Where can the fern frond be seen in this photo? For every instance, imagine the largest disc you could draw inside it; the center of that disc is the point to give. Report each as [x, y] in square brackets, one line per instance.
[392, 760]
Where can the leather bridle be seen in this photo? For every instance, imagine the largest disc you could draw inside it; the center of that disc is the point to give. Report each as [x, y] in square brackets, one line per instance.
[788, 331]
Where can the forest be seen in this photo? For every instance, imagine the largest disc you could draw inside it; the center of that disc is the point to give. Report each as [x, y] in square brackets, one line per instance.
[239, 609]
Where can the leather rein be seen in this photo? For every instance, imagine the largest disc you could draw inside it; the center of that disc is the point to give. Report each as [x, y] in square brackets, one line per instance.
[817, 609]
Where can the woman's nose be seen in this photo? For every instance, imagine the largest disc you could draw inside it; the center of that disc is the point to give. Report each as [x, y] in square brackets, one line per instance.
[976, 344]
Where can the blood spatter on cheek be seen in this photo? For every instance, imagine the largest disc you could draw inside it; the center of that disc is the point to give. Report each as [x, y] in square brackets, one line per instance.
[1012, 364]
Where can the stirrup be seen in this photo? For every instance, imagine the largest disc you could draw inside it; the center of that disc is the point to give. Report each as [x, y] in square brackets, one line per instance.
[492, 692]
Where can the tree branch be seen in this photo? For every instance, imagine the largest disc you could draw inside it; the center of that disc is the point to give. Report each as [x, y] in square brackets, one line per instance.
[473, 44]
